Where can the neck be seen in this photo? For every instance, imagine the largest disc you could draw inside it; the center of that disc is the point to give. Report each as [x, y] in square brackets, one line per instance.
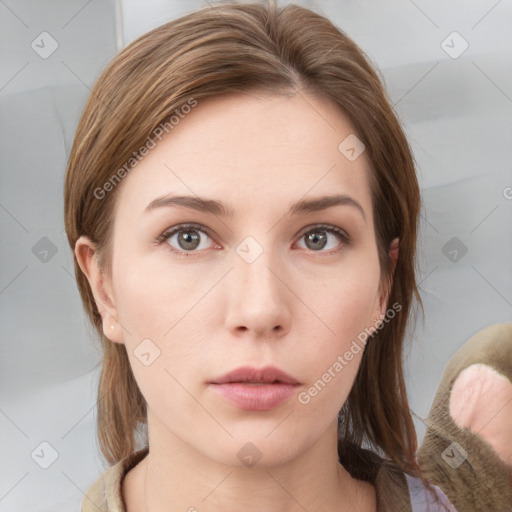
[173, 476]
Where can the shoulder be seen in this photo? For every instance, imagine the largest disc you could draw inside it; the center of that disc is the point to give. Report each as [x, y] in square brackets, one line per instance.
[400, 492]
[396, 490]
[423, 500]
[104, 495]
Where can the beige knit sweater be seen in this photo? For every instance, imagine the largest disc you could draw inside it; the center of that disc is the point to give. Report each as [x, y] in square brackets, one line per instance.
[477, 479]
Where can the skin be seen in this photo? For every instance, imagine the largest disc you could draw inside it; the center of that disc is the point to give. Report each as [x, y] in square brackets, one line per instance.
[296, 306]
[481, 401]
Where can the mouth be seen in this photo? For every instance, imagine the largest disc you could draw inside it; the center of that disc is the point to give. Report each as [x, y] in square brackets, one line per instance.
[255, 389]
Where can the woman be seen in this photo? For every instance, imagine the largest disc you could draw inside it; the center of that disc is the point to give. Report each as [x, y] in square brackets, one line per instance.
[242, 205]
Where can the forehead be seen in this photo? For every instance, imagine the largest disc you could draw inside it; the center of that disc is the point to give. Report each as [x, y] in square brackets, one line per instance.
[250, 149]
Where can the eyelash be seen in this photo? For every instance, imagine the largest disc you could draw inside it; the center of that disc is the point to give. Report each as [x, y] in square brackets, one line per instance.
[197, 227]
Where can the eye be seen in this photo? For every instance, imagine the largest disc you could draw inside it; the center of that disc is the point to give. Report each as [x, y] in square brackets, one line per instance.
[317, 238]
[187, 238]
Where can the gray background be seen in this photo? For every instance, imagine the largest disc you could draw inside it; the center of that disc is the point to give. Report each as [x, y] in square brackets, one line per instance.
[456, 110]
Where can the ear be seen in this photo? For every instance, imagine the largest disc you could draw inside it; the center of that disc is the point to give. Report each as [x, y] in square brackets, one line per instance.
[393, 253]
[382, 304]
[85, 252]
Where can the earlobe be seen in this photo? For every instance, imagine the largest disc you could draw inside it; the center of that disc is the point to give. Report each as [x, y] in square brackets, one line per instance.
[85, 253]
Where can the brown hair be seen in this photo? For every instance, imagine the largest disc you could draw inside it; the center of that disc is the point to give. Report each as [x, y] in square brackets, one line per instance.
[231, 48]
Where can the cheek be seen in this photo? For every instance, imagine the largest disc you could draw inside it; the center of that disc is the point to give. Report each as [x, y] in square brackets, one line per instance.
[153, 295]
[337, 342]
[161, 332]
[345, 304]
[167, 303]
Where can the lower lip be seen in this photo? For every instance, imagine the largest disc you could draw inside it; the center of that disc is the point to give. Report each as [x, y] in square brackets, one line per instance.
[255, 397]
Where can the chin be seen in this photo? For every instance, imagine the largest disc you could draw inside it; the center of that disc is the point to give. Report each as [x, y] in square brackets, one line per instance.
[260, 451]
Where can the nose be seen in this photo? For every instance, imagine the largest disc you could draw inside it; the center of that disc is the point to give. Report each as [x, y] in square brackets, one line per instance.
[259, 297]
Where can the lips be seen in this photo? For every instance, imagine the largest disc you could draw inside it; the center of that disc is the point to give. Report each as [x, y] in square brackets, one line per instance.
[249, 374]
[255, 389]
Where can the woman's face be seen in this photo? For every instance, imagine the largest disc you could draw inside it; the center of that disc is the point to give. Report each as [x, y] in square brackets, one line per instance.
[263, 286]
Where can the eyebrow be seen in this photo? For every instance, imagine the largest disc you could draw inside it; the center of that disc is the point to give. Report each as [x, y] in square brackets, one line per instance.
[222, 210]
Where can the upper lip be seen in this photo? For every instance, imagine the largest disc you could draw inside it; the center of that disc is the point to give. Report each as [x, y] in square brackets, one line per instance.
[267, 374]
